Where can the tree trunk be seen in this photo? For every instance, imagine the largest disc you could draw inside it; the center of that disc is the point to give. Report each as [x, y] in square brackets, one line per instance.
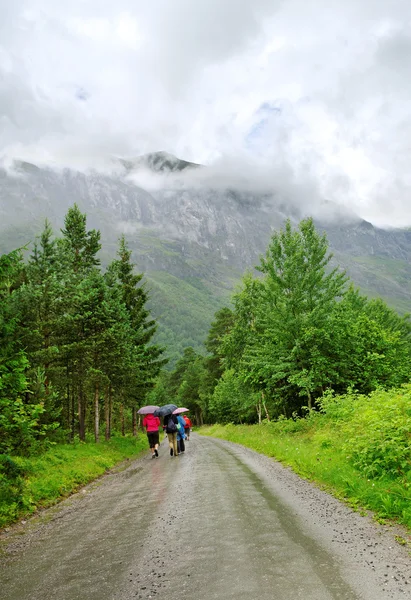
[83, 417]
[107, 413]
[73, 414]
[47, 364]
[96, 414]
[258, 408]
[70, 434]
[310, 402]
[81, 413]
[81, 404]
[123, 429]
[110, 410]
[134, 421]
[265, 407]
[199, 417]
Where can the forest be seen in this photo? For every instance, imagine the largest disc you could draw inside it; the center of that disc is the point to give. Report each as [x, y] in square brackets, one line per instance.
[75, 345]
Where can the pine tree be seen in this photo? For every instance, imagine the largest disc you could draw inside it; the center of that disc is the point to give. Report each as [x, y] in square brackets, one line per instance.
[78, 250]
[145, 361]
[19, 426]
[80, 247]
[37, 300]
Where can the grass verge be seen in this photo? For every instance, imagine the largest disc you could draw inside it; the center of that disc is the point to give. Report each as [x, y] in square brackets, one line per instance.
[43, 480]
[358, 448]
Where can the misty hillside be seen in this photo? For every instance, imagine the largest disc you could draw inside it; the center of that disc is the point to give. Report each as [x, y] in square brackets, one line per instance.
[193, 242]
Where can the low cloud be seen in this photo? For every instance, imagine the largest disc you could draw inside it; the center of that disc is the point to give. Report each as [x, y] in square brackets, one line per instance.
[307, 100]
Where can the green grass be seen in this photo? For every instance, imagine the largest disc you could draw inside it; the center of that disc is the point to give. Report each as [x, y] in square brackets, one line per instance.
[359, 449]
[60, 471]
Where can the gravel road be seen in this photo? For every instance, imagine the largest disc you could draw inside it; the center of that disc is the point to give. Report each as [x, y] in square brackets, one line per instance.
[218, 522]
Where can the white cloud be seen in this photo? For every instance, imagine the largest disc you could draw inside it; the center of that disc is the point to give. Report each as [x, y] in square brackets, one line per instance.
[85, 80]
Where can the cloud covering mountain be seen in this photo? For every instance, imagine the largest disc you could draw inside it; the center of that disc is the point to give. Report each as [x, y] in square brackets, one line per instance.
[312, 94]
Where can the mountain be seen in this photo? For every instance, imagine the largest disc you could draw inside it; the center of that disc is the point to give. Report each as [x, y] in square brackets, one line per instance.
[157, 162]
[192, 235]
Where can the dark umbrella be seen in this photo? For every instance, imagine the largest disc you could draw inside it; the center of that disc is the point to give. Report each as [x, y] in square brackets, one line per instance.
[178, 411]
[147, 410]
[167, 409]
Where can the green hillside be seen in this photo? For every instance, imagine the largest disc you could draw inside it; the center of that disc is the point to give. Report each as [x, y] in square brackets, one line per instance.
[383, 277]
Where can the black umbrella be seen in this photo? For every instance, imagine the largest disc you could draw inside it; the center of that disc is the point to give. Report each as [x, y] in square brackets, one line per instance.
[167, 409]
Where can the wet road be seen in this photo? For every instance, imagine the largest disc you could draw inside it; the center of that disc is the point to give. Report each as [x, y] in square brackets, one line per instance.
[219, 522]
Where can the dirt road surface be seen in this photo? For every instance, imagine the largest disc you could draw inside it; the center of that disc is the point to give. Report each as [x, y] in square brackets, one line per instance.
[218, 522]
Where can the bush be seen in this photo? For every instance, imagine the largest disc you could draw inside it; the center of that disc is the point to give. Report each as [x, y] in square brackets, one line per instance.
[378, 438]
[11, 489]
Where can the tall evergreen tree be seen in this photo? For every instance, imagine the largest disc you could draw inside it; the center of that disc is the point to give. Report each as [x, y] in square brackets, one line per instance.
[19, 425]
[145, 357]
[37, 299]
[78, 250]
[79, 246]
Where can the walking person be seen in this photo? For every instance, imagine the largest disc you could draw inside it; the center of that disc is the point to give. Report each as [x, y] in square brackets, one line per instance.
[187, 427]
[170, 423]
[152, 423]
[181, 434]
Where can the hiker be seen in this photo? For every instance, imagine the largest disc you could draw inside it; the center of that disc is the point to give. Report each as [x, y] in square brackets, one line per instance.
[152, 423]
[170, 425]
[187, 427]
[181, 434]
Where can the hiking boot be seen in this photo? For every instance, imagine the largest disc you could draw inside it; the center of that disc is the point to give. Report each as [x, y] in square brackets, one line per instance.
[156, 452]
[153, 456]
[171, 452]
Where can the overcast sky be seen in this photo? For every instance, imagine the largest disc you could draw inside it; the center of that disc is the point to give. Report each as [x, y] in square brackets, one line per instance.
[309, 93]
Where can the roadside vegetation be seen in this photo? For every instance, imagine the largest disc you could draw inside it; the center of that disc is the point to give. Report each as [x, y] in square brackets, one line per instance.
[356, 446]
[28, 483]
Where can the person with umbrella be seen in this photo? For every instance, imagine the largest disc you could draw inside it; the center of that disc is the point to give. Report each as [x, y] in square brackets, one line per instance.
[181, 431]
[170, 422]
[170, 426]
[180, 434]
[151, 423]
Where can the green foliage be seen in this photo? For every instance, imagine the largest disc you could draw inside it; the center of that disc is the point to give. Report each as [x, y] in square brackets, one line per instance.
[232, 400]
[186, 385]
[20, 425]
[73, 340]
[298, 331]
[79, 246]
[377, 430]
[11, 489]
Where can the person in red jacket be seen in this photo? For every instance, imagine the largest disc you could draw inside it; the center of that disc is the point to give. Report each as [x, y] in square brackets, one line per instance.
[187, 427]
[152, 423]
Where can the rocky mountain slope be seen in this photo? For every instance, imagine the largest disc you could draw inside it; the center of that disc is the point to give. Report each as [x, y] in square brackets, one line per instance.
[193, 239]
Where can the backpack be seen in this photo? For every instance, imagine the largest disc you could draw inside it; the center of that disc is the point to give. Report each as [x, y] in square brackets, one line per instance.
[171, 427]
